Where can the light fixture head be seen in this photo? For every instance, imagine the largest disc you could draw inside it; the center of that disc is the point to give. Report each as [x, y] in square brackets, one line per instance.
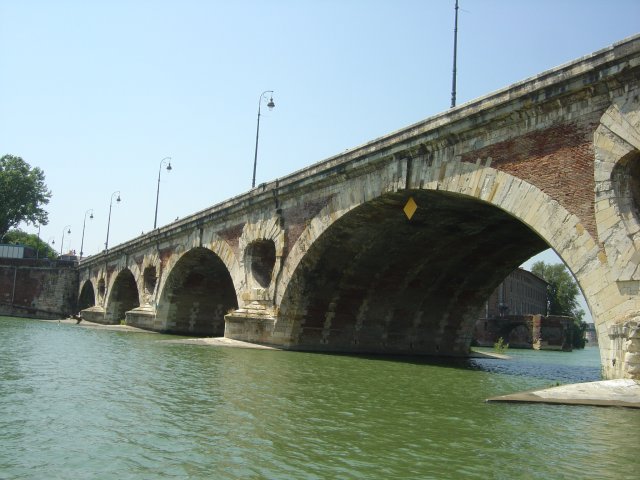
[69, 231]
[271, 104]
[169, 167]
[91, 216]
[118, 199]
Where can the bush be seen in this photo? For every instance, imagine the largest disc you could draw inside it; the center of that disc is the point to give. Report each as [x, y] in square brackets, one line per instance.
[500, 346]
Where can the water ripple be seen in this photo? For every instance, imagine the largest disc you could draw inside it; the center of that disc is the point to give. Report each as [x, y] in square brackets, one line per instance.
[95, 404]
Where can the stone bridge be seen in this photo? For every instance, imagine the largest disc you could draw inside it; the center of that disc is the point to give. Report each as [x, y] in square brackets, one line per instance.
[393, 246]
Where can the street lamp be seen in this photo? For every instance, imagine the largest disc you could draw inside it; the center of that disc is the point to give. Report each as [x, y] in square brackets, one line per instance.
[106, 244]
[270, 105]
[90, 211]
[68, 231]
[162, 162]
[38, 244]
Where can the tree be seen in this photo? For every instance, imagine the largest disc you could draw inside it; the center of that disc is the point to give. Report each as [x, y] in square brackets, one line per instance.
[30, 240]
[563, 297]
[22, 194]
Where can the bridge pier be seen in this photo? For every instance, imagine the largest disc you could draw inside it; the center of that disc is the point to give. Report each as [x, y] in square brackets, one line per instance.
[253, 323]
[143, 317]
[94, 314]
[623, 350]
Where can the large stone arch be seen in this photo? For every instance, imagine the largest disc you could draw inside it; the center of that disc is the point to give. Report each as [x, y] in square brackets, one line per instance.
[122, 296]
[488, 190]
[560, 229]
[617, 211]
[197, 293]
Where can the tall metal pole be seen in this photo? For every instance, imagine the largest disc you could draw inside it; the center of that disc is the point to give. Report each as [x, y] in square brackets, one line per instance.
[62, 242]
[155, 218]
[83, 224]
[38, 244]
[255, 157]
[455, 57]
[106, 243]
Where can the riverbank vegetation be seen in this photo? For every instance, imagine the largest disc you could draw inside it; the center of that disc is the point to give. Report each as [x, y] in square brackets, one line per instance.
[562, 297]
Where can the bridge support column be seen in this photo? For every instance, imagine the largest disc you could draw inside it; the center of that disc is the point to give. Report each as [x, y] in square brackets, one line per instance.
[94, 314]
[624, 341]
[142, 317]
[254, 322]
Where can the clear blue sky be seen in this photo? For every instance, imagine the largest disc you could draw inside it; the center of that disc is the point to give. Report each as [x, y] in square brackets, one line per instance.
[97, 93]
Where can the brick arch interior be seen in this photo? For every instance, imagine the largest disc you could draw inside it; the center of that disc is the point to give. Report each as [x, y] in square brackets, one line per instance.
[517, 335]
[260, 258]
[87, 296]
[375, 281]
[197, 294]
[123, 297]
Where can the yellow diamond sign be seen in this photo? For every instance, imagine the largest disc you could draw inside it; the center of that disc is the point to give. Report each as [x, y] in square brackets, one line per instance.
[410, 208]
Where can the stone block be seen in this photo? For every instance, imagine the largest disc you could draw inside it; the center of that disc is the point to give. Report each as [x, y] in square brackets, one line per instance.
[633, 329]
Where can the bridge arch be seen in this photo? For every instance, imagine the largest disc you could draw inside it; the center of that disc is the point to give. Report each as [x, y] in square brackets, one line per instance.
[364, 276]
[87, 296]
[197, 293]
[122, 296]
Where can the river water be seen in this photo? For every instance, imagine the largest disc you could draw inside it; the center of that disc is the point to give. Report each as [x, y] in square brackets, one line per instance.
[85, 403]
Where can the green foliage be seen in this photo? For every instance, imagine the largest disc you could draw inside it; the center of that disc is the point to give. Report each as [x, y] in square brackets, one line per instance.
[22, 194]
[563, 297]
[563, 290]
[500, 346]
[30, 240]
[579, 331]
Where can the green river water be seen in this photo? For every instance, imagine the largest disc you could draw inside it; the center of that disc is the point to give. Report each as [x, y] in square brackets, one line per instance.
[86, 403]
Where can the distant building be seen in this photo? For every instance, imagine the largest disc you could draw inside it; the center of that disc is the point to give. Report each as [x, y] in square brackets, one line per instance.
[16, 251]
[591, 335]
[516, 311]
[521, 293]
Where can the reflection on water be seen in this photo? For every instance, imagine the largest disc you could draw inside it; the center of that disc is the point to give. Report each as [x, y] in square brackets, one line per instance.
[83, 403]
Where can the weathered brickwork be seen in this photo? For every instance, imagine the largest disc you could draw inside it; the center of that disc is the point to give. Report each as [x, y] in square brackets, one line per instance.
[538, 332]
[37, 289]
[327, 259]
[558, 160]
[297, 217]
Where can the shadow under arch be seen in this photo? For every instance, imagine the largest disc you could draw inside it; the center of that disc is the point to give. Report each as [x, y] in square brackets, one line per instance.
[197, 294]
[376, 282]
[87, 296]
[124, 296]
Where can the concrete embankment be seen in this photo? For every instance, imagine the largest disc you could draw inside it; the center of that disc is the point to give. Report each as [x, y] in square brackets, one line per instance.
[606, 393]
[99, 326]
[210, 341]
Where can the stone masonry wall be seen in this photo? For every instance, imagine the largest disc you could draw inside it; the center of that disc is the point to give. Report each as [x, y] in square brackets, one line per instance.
[37, 289]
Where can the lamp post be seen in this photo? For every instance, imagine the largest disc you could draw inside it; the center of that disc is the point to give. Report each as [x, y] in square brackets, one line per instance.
[38, 244]
[106, 243]
[90, 211]
[270, 105]
[162, 162]
[455, 57]
[68, 231]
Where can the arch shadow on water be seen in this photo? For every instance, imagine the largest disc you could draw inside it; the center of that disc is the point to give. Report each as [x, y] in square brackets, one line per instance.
[550, 366]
